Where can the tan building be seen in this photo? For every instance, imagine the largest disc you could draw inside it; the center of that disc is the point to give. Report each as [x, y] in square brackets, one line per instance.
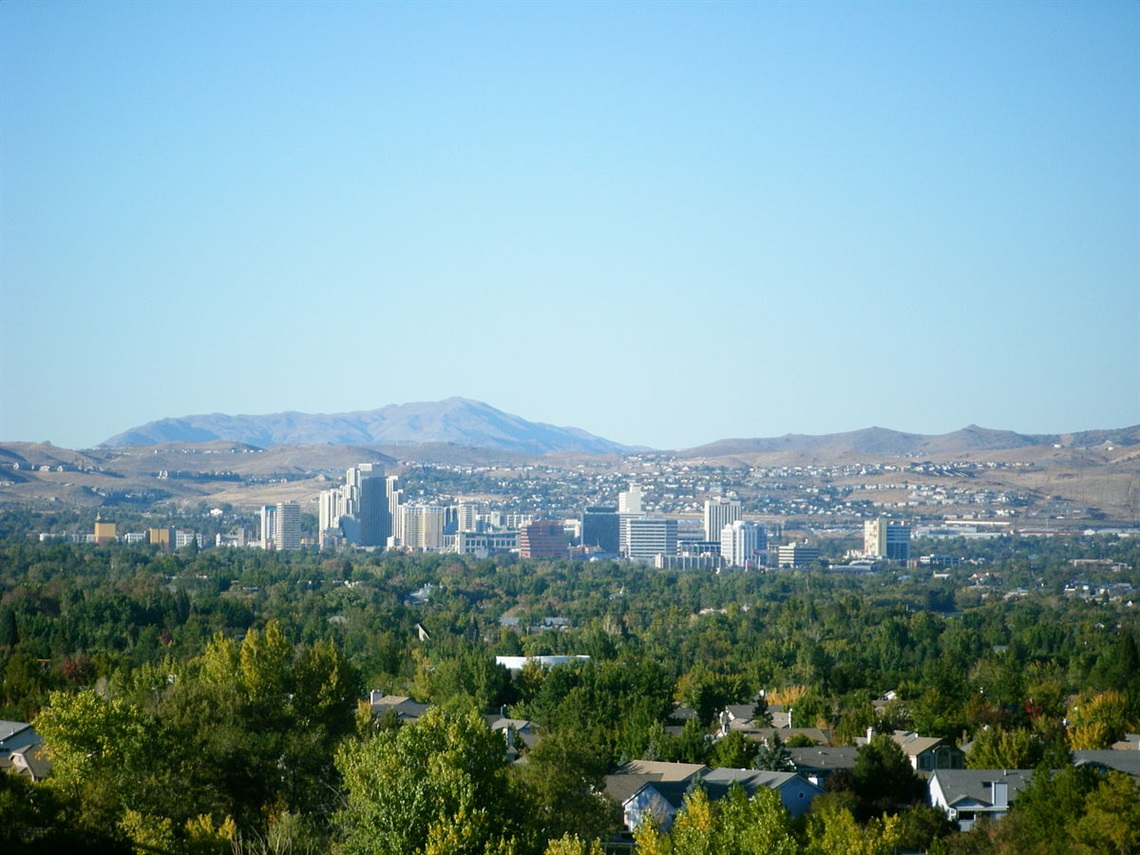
[105, 532]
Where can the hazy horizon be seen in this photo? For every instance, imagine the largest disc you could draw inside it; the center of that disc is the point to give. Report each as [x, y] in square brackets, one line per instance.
[663, 224]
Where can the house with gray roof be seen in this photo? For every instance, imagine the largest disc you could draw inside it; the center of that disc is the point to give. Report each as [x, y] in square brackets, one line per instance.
[966, 795]
[22, 750]
[1120, 760]
[795, 791]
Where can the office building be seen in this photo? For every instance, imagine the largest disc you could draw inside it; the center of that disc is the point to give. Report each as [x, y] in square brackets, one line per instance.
[543, 539]
[797, 555]
[601, 529]
[719, 512]
[648, 537]
[889, 539]
[744, 543]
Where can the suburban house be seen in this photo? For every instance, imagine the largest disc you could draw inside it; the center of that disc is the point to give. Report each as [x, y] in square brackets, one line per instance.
[401, 706]
[926, 753]
[795, 791]
[1109, 759]
[647, 788]
[652, 787]
[816, 763]
[22, 751]
[969, 794]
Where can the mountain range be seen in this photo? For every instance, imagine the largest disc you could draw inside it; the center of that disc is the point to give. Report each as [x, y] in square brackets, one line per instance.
[455, 420]
[474, 424]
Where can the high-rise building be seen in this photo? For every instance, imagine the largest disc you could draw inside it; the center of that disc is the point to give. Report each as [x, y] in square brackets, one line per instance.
[268, 526]
[719, 512]
[743, 543]
[422, 527]
[647, 537]
[601, 529]
[105, 532]
[362, 510]
[543, 539]
[889, 539]
[288, 525]
[629, 501]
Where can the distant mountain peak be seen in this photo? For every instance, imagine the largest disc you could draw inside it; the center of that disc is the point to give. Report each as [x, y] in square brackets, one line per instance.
[455, 420]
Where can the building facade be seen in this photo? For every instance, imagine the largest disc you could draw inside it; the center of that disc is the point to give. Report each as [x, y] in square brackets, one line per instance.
[648, 537]
[744, 543]
[886, 539]
[719, 512]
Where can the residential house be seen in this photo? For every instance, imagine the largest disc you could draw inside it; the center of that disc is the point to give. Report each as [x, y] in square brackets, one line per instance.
[966, 795]
[651, 787]
[818, 762]
[795, 791]
[401, 706]
[1108, 759]
[22, 750]
[926, 753]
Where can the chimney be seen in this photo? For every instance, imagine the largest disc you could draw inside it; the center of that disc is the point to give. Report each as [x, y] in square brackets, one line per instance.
[870, 733]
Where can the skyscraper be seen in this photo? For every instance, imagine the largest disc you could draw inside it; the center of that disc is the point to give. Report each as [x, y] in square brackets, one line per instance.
[361, 510]
[889, 539]
[743, 543]
[601, 529]
[719, 512]
[629, 501]
[288, 526]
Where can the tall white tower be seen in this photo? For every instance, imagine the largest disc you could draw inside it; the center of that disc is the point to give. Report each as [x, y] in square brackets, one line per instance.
[719, 512]
[629, 501]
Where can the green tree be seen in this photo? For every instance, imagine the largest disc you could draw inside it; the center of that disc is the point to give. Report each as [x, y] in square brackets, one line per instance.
[563, 779]
[997, 748]
[773, 756]
[883, 778]
[437, 784]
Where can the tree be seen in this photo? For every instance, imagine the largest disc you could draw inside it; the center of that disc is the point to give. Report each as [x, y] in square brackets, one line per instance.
[997, 748]
[773, 756]
[437, 784]
[733, 751]
[564, 781]
[883, 778]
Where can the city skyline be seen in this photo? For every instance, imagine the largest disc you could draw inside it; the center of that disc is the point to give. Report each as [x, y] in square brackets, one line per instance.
[823, 216]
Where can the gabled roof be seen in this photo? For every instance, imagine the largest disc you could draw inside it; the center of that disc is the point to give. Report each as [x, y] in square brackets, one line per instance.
[663, 771]
[402, 705]
[718, 781]
[10, 729]
[910, 742]
[824, 758]
[975, 786]
[1126, 761]
[815, 734]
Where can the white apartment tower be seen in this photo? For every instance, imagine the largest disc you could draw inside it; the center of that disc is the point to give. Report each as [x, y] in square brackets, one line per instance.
[743, 543]
[629, 501]
[281, 526]
[719, 512]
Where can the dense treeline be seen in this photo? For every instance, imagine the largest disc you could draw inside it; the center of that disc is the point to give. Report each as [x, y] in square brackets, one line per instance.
[197, 698]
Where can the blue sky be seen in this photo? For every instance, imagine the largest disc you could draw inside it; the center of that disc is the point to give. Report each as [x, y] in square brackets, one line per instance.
[664, 223]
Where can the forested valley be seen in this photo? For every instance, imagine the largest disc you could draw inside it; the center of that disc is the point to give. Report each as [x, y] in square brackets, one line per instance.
[216, 700]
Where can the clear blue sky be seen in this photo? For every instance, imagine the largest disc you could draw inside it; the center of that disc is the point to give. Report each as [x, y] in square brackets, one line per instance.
[664, 223]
